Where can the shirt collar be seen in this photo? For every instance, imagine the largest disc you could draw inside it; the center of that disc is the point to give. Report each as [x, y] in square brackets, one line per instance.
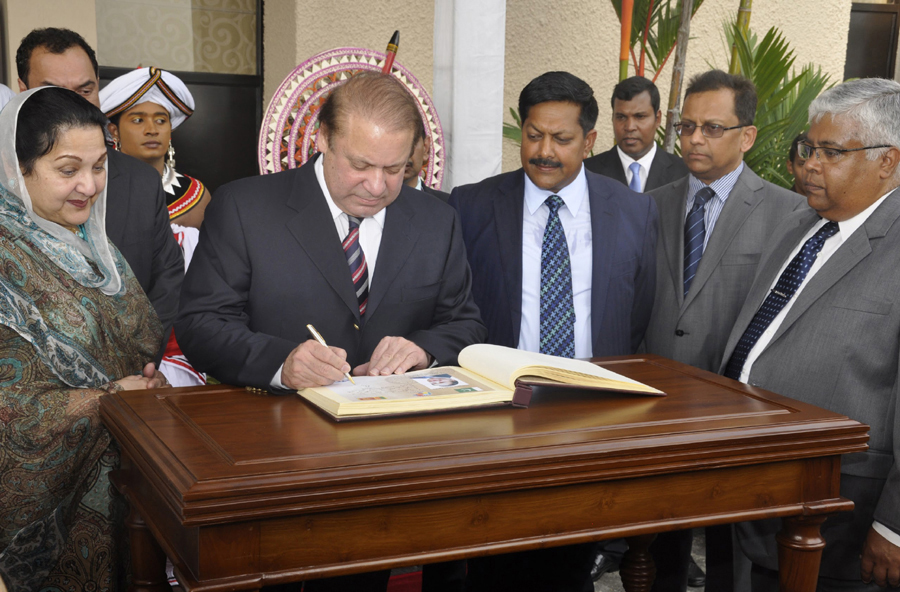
[419, 184]
[722, 186]
[645, 161]
[848, 227]
[572, 194]
[336, 212]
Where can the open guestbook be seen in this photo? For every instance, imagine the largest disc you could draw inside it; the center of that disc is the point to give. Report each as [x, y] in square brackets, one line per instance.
[487, 375]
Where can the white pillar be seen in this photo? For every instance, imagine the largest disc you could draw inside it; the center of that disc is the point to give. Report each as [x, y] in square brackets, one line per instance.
[469, 50]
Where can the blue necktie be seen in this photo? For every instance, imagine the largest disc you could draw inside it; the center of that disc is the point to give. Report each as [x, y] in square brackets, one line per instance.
[635, 184]
[557, 307]
[359, 271]
[694, 235]
[778, 297]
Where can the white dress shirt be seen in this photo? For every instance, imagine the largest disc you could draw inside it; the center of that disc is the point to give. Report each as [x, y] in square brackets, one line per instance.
[831, 245]
[576, 222]
[645, 161]
[370, 231]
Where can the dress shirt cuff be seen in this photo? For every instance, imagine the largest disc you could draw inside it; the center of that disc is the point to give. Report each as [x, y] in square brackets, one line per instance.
[276, 380]
[887, 533]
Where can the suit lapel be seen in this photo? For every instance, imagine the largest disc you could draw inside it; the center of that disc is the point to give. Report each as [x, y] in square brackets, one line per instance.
[614, 165]
[855, 249]
[313, 227]
[658, 170]
[400, 226]
[508, 213]
[672, 235]
[742, 200]
[604, 238]
[765, 277]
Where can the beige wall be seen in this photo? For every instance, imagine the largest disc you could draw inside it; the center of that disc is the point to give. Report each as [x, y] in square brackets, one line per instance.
[292, 38]
[583, 38]
[21, 16]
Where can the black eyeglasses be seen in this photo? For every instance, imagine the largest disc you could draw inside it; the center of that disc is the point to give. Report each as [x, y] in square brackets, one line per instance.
[829, 155]
[709, 130]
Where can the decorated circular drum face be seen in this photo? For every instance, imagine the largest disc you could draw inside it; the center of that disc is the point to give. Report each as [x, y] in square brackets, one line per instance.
[287, 138]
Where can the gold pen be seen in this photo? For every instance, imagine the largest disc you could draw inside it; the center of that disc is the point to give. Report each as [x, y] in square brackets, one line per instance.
[318, 337]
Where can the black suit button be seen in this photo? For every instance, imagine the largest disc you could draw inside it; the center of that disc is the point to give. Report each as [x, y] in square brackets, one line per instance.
[679, 332]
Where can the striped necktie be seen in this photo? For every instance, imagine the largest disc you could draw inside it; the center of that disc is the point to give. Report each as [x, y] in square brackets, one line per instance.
[635, 184]
[778, 297]
[359, 271]
[557, 306]
[694, 236]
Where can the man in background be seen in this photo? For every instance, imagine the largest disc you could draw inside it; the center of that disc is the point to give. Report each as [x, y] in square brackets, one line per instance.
[137, 221]
[412, 176]
[635, 160]
[795, 166]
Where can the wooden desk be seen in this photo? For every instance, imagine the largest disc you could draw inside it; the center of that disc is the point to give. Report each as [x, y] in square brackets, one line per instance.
[242, 490]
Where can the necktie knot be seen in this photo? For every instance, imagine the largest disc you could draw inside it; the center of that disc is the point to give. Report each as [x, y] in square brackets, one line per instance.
[825, 233]
[703, 196]
[554, 202]
[354, 222]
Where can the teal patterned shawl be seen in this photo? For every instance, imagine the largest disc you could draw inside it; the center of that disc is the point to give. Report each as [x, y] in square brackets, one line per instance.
[90, 262]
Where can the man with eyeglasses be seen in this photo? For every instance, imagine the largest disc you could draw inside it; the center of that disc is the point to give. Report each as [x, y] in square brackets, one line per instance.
[821, 324]
[713, 226]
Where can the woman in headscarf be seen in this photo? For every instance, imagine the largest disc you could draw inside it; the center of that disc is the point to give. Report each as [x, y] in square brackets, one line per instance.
[74, 325]
[143, 107]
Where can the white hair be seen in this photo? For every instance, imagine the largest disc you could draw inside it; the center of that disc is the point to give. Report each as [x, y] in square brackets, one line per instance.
[872, 104]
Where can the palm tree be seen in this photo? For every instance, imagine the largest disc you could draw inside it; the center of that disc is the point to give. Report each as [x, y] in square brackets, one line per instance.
[783, 97]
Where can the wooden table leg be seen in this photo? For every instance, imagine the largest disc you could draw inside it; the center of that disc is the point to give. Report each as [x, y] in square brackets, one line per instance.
[800, 547]
[148, 562]
[638, 570]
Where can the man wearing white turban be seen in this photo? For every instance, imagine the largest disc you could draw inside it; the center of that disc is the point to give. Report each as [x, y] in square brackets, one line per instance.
[143, 107]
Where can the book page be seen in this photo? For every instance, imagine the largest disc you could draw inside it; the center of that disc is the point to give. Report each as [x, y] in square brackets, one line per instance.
[432, 382]
[505, 364]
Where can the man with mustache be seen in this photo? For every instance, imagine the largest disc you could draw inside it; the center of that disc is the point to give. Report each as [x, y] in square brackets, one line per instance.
[635, 160]
[563, 262]
[713, 226]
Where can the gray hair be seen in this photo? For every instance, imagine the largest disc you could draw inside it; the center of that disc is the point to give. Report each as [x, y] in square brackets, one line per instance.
[872, 104]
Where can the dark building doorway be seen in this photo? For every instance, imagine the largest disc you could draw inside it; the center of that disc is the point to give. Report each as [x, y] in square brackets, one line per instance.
[218, 143]
[872, 42]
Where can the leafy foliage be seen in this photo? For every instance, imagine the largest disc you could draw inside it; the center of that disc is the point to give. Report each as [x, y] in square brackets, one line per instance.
[513, 132]
[783, 98]
[655, 36]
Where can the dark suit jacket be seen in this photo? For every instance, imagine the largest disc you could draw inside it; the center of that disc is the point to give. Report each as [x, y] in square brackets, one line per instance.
[665, 168]
[694, 329]
[838, 348]
[624, 258]
[270, 262]
[137, 222]
[444, 197]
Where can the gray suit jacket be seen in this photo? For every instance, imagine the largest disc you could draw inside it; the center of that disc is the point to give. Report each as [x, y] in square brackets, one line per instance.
[664, 169]
[694, 329]
[838, 348]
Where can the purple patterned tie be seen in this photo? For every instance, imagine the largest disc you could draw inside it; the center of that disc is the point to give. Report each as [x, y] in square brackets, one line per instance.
[359, 271]
[778, 297]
